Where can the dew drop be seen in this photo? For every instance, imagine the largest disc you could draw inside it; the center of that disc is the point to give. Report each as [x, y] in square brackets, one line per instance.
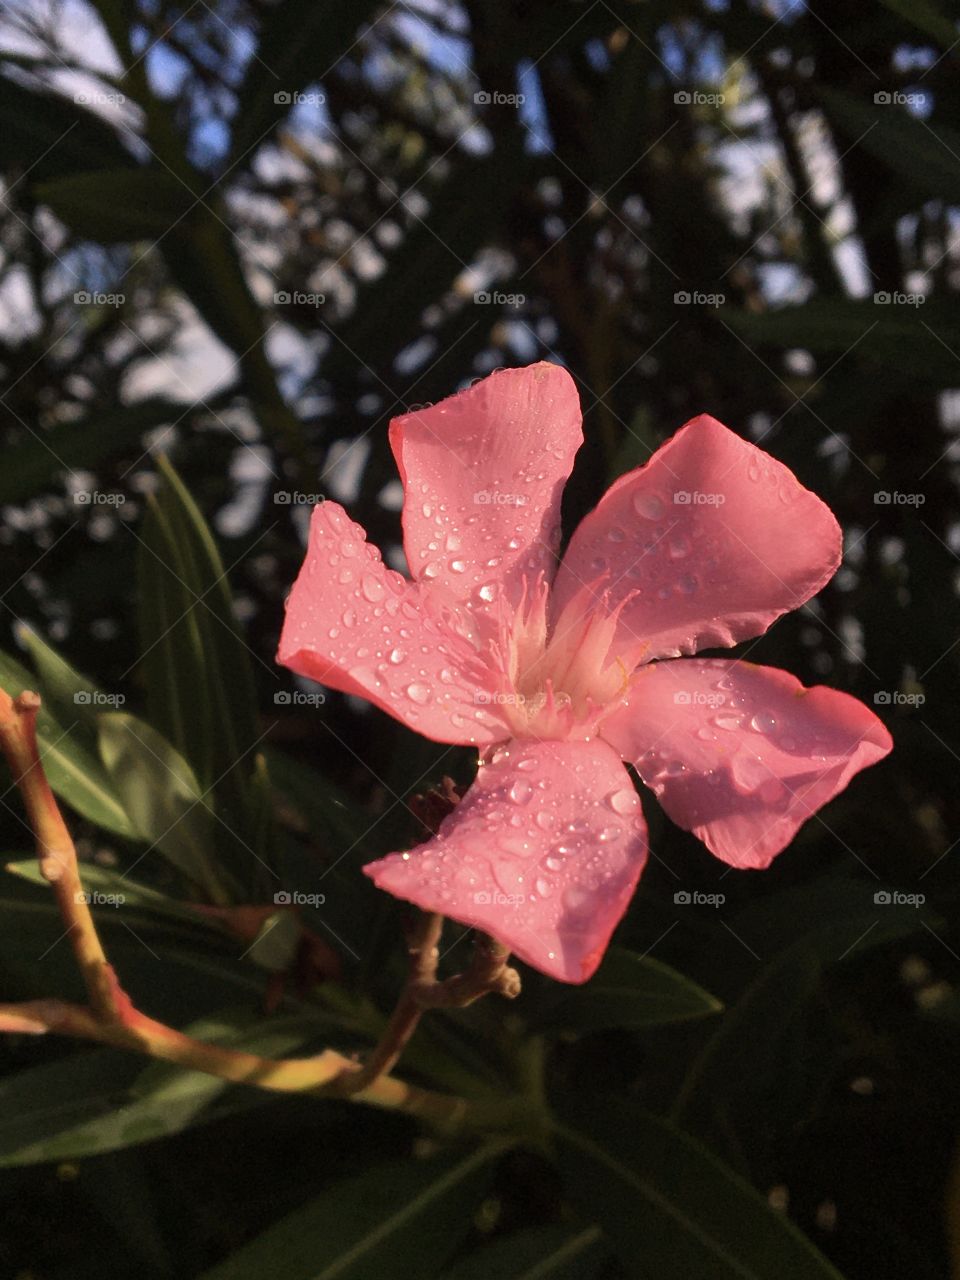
[622, 801]
[521, 791]
[615, 533]
[372, 588]
[726, 721]
[609, 834]
[397, 656]
[349, 618]
[418, 693]
[458, 566]
[763, 722]
[648, 505]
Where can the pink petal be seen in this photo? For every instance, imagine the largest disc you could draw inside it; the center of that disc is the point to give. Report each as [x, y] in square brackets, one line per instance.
[742, 755]
[355, 625]
[482, 473]
[543, 852]
[717, 539]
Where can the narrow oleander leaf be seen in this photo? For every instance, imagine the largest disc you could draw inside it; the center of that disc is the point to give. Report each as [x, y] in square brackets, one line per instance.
[669, 1206]
[75, 773]
[402, 1219]
[632, 992]
[567, 1252]
[199, 675]
[112, 206]
[164, 800]
[106, 1101]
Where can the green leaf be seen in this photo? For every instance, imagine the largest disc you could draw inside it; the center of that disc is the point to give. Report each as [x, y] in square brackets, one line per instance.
[195, 659]
[69, 694]
[400, 1219]
[568, 1252]
[201, 256]
[74, 773]
[38, 462]
[110, 882]
[633, 992]
[925, 17]
[163, 799]
[926, 156]
[904, 345]
[112, 206]
[198, 670]
[669, 1207]
[300, 42]
[98, 1101]
[47, 134]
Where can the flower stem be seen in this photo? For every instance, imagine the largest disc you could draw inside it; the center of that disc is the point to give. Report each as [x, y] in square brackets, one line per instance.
[110, 1017]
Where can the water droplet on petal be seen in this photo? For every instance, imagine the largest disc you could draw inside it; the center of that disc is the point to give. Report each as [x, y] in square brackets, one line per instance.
[609, 834]
[622, 801]
[458, 566]
[648, 505]
[397, 656]
[349, 618]
[418, 693]
[372, 588]
[763, 722]
[521, 791]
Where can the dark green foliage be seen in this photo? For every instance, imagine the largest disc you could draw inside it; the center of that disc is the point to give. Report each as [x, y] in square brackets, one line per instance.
[227, 283]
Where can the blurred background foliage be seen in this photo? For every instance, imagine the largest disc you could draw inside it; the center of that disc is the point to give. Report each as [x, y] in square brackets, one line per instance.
[235, 239]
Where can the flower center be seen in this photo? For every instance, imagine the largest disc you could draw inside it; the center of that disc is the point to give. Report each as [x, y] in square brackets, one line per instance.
[559, 679]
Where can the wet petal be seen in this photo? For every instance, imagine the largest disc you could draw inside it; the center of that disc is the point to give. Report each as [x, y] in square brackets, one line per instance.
[355, 625]
[717, 539]
[742, 755]
[483, 472]
[543, 852]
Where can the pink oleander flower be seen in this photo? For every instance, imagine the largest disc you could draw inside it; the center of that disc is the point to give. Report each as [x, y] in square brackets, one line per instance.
[560, 672]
